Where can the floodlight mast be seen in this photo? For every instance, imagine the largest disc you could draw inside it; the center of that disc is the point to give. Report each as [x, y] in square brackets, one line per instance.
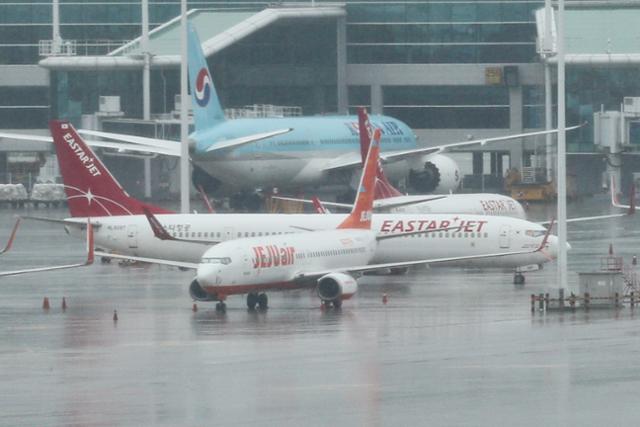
[547, 49]
[562, 156]
[184, 125]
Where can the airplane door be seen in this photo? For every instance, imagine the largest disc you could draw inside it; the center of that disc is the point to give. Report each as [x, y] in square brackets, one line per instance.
[505, 236]
[132, 236]
[228, 233]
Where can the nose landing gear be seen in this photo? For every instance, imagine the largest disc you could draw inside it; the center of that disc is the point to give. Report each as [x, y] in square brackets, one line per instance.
[518, 279]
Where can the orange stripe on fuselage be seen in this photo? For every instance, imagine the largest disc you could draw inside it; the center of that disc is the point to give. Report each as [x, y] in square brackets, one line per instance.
[226, 290]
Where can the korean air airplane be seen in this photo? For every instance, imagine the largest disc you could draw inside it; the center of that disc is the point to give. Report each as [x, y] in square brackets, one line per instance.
[292, 152]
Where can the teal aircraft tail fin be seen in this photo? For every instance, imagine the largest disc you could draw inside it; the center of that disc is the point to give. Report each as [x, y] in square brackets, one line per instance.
[206, 105]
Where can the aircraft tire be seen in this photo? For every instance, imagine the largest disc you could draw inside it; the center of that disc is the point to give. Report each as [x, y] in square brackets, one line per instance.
[337, 304]
[263, 301]
[221, 307]
[518, 279]
[252, 300]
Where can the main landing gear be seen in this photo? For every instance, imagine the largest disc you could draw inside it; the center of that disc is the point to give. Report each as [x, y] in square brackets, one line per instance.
[261, 300]
[518, 279]
[221, 307]
[337, 304]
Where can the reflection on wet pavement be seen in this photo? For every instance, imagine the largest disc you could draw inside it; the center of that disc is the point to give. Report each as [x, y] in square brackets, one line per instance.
[451, 347]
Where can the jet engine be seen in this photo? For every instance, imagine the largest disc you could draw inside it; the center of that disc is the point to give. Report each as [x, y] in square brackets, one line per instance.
[336, 287]
[434, 173]
[199, 294]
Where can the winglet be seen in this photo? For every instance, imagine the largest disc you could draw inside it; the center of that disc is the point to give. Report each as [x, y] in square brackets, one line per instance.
[317, 204]
[12, 237]
[207, 202]
[158, 230]
[546, 236]
[360, 216]
[612, 188]
[90, 245]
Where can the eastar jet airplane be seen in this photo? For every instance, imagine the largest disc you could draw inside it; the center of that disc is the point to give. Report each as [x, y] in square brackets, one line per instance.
[290, 152]
[325, 260]
[93, 192]
[389, 199]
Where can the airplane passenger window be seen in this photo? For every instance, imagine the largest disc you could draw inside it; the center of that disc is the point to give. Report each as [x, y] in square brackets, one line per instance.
[217, 234]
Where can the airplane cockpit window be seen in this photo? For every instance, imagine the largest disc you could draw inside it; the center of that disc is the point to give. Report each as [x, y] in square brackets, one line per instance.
[535, 233]
[212, 260]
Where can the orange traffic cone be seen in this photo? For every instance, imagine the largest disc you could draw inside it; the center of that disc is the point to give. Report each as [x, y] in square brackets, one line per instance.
[195, 307]
[45, 303]
[385, 298]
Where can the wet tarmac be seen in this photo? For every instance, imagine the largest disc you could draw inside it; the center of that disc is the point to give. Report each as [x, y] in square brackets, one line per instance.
[450, 348]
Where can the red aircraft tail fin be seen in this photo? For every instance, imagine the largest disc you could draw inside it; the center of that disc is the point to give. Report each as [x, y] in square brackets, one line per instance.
[91, 189]
[360, 216]
[384, 189]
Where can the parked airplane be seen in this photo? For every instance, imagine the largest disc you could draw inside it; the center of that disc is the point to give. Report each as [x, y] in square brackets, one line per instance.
[325, 260]
[115, 230]
[390, 199]
[291, 152]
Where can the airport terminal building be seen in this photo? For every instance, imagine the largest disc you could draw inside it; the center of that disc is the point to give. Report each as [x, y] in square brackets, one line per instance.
[452, 70]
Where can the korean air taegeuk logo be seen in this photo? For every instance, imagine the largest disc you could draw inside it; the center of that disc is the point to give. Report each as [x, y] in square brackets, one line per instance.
[203, 87]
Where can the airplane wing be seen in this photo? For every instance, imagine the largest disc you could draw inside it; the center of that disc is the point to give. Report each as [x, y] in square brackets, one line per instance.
[382, 205]
[310, 201]
[11, 237]
[237, 142]
[189, 265]
[345, 162]
[25, 137]
[88, 261]
[587, 218]
[373, 267]
[168, 150]
[170, 147]
[614, 197]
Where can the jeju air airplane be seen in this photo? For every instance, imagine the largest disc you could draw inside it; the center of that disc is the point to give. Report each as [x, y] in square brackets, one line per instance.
[289, 152]
[389, 199]
[92, 192]
[325, 260]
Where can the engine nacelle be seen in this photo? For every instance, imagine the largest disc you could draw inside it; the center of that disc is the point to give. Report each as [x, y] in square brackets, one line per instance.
[336, 286]
[199, 294]
[434, 173]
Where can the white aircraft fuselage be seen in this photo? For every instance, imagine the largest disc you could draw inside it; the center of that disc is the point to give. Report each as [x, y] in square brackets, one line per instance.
[473, 235]
[255, 264]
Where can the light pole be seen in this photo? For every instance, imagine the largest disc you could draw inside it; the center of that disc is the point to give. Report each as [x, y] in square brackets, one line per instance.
[184, 125]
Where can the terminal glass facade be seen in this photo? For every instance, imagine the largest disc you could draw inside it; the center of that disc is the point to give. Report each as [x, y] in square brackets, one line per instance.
[432, 32]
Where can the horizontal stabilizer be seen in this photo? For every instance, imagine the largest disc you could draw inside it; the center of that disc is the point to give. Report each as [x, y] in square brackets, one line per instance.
[161, 233]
